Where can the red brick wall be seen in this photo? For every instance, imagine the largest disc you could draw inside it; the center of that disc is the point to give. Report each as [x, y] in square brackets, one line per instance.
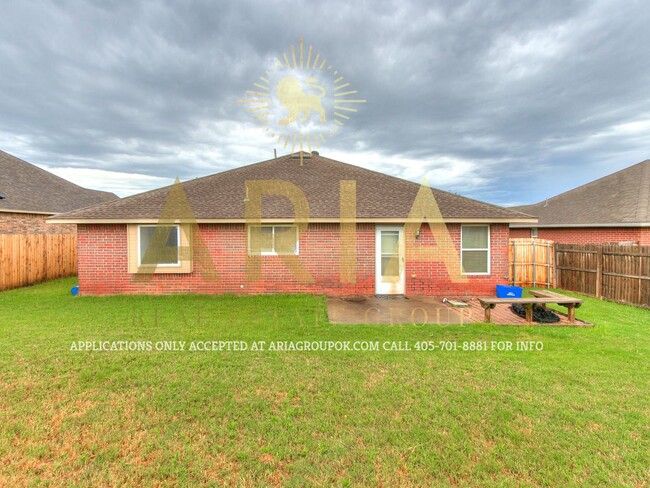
[589, 235]
[432, 278]
[22, 223]
[103, 265]
[519, 233]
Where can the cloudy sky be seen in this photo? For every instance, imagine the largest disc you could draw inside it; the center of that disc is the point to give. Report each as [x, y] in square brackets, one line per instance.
[508, 102]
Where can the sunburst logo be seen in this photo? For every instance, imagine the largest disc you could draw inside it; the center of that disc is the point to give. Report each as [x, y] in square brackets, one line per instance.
[302, 100]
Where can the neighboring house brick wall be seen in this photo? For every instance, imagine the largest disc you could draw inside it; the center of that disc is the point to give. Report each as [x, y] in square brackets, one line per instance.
[519, 233]
[589, 235]
[644, 236]
[24, 223]
[103, 265]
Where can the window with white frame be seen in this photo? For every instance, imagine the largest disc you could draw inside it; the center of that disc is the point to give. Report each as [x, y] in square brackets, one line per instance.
[159, 245]
[475, 249]
[533, 233]
[271, 240]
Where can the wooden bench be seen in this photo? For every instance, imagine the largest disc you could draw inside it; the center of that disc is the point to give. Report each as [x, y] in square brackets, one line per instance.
[540, 297]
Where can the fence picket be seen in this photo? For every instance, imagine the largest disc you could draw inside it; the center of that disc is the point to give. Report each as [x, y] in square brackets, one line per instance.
[26, 259]
[531, 262]
[612, 272]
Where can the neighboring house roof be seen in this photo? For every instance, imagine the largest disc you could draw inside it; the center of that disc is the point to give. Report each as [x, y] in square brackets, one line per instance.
[29, 189]
[221, 197]
[621, 199]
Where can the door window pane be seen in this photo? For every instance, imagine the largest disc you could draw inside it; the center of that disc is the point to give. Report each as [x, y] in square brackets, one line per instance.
[389, 242]
[390, 266]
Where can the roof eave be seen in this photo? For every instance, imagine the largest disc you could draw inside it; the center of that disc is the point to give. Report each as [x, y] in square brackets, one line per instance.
[566, 226]
[290, 220]
[20, 211]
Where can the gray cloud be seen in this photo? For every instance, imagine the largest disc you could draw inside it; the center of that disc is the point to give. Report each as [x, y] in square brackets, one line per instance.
[510, 102]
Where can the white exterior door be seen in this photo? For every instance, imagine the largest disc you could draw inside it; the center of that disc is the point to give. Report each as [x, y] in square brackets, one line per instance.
[389, 267]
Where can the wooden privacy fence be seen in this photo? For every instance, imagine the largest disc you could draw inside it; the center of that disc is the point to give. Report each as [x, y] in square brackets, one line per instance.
[31, 258]
[532, 263]
[613, 272]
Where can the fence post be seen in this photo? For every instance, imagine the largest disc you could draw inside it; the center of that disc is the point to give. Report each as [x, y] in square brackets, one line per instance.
[599, 272]
[558, 272]
[514, 263]
[639, 300]
[548, 264]
[554, 258]
[534, 264]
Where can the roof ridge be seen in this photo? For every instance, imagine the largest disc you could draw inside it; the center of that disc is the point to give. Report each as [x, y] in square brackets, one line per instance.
[221, 195]
[30, 187]
[621, 197]
[49, 173]
[53, 175]
[231, 170]
[643, 210]
[420, 185]
[162, 188]
[590, 183]
[320, 156]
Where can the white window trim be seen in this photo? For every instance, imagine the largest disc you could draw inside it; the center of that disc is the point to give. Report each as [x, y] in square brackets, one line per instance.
[178, 248]
[274, 253]
[534, 233]
[462, 249]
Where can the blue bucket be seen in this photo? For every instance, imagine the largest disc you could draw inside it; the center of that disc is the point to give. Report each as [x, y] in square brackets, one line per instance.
[505, 291]
[74, 290]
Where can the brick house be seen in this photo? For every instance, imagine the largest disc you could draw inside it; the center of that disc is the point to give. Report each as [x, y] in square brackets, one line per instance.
[611, 210]
[293, 224]
[29, 194]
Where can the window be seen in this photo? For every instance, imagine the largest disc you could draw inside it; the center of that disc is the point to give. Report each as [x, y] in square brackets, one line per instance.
[475, 249]
[162, 248]
[269, 240]
[533, 233]
[158, 245]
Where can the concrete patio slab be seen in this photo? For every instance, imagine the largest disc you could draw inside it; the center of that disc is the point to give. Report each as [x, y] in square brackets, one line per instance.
[392, 310]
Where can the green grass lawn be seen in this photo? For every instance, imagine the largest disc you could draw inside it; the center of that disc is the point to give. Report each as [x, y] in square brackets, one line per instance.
[575, 413]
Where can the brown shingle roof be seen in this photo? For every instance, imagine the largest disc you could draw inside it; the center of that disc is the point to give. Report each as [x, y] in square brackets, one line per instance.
[29, 188]
[622, 198]
[221, 196]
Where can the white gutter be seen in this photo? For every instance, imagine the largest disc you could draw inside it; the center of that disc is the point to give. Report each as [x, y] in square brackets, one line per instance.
[285, 220]
[564, 226]
[35, 212]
